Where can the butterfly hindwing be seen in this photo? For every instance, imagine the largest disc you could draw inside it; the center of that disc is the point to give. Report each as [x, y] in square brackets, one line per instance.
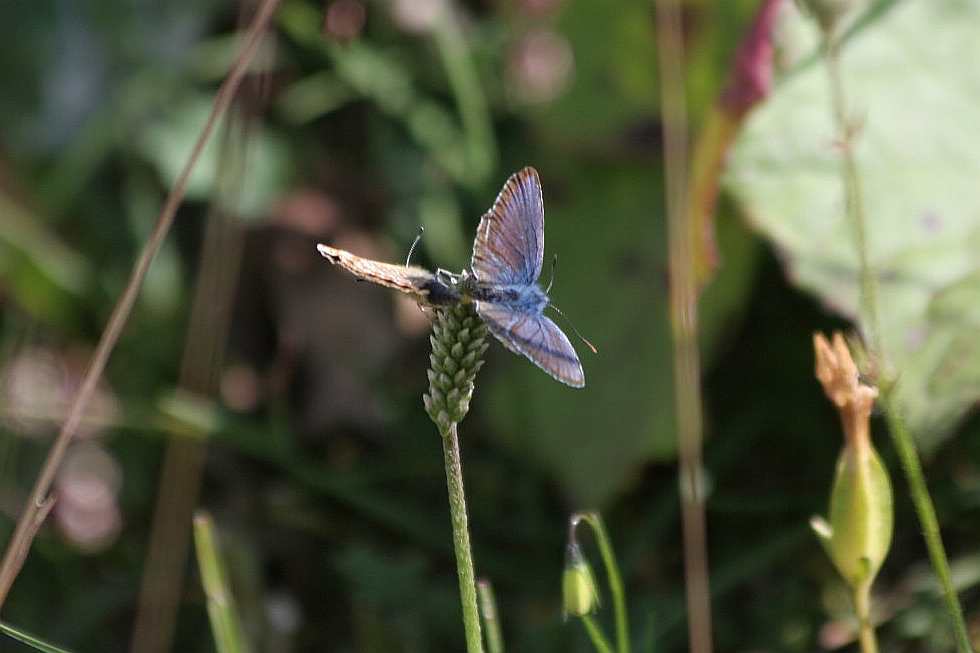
[537, 337]
[509, 243]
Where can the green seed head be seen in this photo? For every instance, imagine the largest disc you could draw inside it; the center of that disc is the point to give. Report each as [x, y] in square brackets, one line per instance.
[458, 344]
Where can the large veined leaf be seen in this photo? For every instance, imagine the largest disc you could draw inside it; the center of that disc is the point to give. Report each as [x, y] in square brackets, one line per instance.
[912, 77]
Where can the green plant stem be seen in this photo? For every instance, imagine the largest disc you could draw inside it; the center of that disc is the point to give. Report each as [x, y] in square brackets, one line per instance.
[595, 633]
[909, 458]
[862, 606]
[30, 640]
[225, 624]
[488, 608]
[907, 453]
[853, 202]
[684, 324]
[470, 100]
[461, 541]
[615, 580]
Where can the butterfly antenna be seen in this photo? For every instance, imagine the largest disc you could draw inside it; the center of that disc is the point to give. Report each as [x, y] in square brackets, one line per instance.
[576, 331]
[554, 264]
[415, 243]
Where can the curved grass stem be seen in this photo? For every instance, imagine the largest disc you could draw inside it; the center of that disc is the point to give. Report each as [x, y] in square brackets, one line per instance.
[595, 634]
[613, 577]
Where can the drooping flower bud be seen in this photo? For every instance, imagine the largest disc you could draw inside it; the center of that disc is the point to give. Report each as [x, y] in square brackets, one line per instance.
[580, 596]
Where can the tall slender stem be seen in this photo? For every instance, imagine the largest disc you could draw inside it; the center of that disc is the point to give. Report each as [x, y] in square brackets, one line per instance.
[39, 499]
[459, 339]
[461, 541]
[909, 458]
[907, 453]
[684, 322]
[853, 202]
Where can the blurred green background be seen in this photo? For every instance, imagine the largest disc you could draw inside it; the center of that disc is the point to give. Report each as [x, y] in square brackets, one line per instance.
[359, 122]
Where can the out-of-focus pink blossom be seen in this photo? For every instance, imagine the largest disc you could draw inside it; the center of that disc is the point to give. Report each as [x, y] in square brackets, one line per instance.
[307, 212]
[36, 387]
[751, 74]
[417, 15]
[241, 387]
[33, 392]
[540, 7]
[541, 66]
[345, 20]
[86, 510]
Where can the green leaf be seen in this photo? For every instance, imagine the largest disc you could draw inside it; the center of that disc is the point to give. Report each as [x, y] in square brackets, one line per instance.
[168, 143]
[913, 88]
[30, 640]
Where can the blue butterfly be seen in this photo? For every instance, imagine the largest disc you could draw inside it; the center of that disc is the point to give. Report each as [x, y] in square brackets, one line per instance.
[507, 255]
[503, 281]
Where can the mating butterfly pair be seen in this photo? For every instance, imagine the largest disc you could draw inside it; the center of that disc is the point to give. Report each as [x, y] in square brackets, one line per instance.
[508, 252]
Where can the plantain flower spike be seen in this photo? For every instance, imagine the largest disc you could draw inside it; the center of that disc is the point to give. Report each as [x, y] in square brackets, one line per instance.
[459, 340]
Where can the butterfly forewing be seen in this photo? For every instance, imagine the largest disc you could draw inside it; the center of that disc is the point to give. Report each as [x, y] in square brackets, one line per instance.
[538, 338]
[509, 244]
